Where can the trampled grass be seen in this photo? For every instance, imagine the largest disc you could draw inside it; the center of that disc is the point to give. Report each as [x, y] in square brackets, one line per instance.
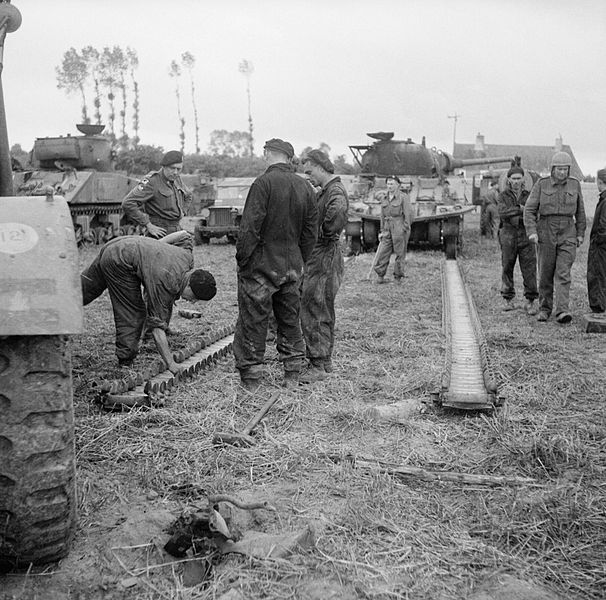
[377, 536]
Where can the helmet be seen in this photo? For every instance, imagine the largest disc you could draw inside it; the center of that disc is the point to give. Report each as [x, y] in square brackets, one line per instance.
[561, 159]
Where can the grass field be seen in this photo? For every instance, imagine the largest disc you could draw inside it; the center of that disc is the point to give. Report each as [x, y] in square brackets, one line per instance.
[376, 534]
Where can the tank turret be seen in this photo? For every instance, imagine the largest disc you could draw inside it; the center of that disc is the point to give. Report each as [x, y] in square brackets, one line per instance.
[387, 156]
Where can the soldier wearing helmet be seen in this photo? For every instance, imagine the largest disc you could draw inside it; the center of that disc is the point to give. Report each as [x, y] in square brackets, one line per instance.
[554, 218]
[596, 258]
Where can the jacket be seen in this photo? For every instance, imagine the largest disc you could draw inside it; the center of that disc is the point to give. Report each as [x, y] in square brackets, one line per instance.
[279, 225]
[550, 197]
[333, 205]
[157, 197]
[511, 208]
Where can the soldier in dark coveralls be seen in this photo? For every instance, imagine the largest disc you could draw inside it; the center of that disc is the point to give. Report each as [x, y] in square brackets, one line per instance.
[166, 272]
[158, 202]
[596, 258]
[277, 234]
[324, 268]
[554, 218]
[396, 220]
[515, 245]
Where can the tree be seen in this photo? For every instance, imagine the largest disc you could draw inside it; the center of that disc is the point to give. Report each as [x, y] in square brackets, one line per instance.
[189, 62]
[109, 69]
[229, 143]
[91, 57]
[133, 63]
[72, 75]
[247, 68]
[175, 73]
[343, 167]
[140, 160]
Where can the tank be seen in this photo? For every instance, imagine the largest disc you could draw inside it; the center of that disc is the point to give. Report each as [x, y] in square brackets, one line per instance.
[439, 198]
[80, 168]
[40, 306]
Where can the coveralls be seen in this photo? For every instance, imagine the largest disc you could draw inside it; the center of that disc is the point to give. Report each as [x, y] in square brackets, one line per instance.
[324, 274]
[396, 220]
[277, 234]
[125, 264]
[515, 245]
[489, 213]
[555, 211]
[596, 258]
[158, 201]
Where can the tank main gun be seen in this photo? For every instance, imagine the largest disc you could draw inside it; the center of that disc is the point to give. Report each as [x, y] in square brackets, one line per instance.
[387, 156]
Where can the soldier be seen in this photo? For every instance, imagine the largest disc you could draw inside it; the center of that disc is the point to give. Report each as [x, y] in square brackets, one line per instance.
[324, 268]
[489, 212]
[449, 196]
[554, 218]
[515, 244]
[277, 234]
[165, 270]
[396, 220]
[158, 202]
[596, 258]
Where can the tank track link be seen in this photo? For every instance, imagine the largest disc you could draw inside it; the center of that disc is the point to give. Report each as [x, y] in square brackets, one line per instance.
[151, 386]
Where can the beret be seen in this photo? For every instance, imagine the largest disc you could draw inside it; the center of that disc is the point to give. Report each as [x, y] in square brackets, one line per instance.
[280, 146]
[202, 284]
[602, 174]
[320, 158]
[172, 157]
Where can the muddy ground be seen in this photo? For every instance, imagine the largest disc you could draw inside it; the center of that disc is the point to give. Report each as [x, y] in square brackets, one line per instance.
[351, 526]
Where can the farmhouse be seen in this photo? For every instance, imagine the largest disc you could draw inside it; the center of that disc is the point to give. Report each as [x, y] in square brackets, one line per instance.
[536, 158]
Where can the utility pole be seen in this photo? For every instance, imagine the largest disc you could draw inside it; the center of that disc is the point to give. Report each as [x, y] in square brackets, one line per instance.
[455, 117]
[246, 68]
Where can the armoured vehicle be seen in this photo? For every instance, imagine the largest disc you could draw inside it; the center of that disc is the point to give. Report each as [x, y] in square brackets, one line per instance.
[223, 218]
[438, 211]
[81, 169]
[40, 305]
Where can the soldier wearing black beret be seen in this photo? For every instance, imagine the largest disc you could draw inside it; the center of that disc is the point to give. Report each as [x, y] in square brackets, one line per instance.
[158, 202]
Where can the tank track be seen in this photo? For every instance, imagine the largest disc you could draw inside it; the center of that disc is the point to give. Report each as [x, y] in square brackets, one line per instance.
[468, 380]
[150, 387]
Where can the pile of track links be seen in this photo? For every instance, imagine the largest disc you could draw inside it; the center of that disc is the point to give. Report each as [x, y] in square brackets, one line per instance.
[151, 386]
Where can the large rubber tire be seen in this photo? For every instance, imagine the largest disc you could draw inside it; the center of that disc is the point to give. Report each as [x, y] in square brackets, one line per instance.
[37, 457]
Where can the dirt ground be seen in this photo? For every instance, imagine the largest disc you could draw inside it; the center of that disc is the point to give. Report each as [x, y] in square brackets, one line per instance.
[351, 525]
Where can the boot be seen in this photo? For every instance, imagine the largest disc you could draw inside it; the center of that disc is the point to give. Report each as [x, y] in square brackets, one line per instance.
[509, 304]
[250, 385]
[542, 316]
[291, 379]
[381, 279]
[530, 307]
[312, 374]
[564, 317]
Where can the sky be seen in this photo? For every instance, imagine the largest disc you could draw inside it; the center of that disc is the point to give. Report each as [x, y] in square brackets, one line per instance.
[516, 71]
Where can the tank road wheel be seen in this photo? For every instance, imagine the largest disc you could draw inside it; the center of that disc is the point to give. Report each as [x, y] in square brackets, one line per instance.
[450, 246]
[37, 459]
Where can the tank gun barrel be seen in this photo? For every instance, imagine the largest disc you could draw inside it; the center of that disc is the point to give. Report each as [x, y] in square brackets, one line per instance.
[460, 163]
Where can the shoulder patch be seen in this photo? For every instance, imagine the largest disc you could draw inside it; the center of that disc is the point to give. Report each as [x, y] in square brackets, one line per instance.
[143, 183]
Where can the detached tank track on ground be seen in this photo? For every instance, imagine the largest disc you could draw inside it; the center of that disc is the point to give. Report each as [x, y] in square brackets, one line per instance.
[157, 381]
[468, 381]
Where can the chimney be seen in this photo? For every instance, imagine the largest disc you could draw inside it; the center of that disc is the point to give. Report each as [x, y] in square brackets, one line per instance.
[558, 143]
[479, 146]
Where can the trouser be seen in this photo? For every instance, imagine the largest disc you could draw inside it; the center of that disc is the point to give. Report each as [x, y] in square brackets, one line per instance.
[516, 246]
[491, 220]
[257, 296]
[394, 239]
[323, 276]
[557, 251]
[596, 276]
[127, 302]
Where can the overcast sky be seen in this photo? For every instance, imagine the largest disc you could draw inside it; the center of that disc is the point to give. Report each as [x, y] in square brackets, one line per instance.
[518, 71]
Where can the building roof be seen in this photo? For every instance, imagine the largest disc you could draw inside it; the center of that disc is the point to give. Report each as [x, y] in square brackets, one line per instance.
[535, 158]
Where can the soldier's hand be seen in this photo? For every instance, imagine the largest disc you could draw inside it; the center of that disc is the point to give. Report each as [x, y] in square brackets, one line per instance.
[175, 368]
[579, 240]
[155, 230]
[534, 238]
